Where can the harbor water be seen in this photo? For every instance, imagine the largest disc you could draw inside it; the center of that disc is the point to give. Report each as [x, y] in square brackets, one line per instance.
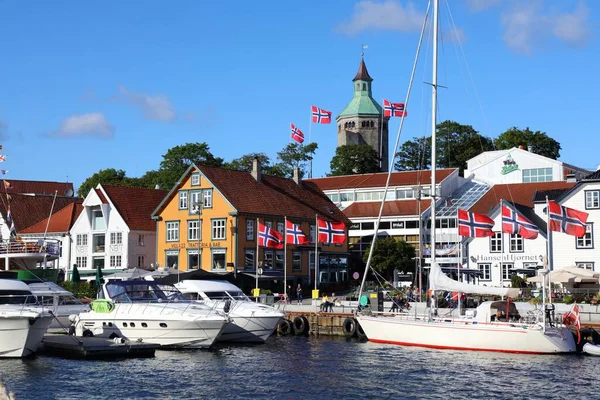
[307, 368]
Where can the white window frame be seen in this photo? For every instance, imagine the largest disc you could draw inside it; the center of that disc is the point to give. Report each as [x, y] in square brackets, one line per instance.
[253, 253]
[191, 252]
[183, 200]
[592, 199]
[141, 240]
[505, 270]
[116, 238]
[218, 229]
[194, 230]
[207, 198]
[172, 231]
[496, 242]
[141, 261]
[115, 261]
[214, 251]
[250, 229]
[586, 241]
[517, 244]
[81, 262]
[195, 180]
[588, 265]
[82, 239]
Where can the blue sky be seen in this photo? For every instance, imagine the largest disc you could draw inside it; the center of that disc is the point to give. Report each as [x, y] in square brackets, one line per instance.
[87, 86]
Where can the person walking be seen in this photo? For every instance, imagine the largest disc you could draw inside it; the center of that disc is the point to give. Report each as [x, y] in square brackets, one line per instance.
[299, 294]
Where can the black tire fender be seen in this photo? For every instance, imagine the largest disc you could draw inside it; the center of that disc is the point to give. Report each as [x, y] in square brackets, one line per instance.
[284, 327]
[349, 327]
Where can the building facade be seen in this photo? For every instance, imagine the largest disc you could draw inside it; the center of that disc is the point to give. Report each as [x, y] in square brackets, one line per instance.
[209, 221]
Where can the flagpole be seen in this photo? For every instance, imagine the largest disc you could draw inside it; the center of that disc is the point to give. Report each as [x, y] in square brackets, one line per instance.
[549, 248]
[309, 132]
[381, 139]
[502, 246]
[285, 258]
[256, 263]
[316, 248]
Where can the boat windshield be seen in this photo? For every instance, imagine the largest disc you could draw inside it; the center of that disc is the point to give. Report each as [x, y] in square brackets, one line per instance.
[17, 297]
[224, 295]
[141, 291]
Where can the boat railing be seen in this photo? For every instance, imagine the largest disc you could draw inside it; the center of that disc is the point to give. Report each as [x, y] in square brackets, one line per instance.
[16, 247]
[170, 307]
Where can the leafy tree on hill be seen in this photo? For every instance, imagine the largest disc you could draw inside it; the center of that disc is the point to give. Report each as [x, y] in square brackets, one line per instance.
[294, 155]
[354, 159]
[414, 155]
[177, 159]
[109, 176]
[540, 142]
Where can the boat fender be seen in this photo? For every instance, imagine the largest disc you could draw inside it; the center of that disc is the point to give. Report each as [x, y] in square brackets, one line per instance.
[227, 306]
[284, 327]
[360, 332]
[300, 325]
[87, 333]
[349, 327]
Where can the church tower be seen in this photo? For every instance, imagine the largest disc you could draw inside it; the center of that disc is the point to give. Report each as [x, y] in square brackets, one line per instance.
[361, 121]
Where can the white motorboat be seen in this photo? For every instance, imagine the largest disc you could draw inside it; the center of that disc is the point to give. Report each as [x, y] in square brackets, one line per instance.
[250, 321]
[150, 312]
[591, 348]
[60, 301]
[22, 322]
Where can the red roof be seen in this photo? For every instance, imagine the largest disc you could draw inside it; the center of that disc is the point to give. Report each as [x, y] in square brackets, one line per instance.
[61, 221]
[101, 196]
[362, 73]
[404, 178]
[135, 205]
[518, 193]
[28, 210]
[273, 196]
[390, 208]
[40, 187]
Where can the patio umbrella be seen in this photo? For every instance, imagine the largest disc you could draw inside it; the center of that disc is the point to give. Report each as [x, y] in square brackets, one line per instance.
[99, 276]
[567, 275]
[75, 278]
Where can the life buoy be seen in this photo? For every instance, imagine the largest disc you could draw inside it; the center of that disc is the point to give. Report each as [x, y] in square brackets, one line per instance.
[284, 327]
[359, 331]
[349, 327]
[300, 325]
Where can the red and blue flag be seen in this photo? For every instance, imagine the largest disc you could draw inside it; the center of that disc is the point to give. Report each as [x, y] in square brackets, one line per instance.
[474, 225]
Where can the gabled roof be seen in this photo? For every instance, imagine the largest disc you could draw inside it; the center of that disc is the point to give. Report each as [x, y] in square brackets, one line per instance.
[398, 208]
[101, 196]
[540, 195]
[135, 205]
[40, 187]
[28, 210]
[593, 176]
[516, 193]
[61, 221]
[377, 180]
[273, 195]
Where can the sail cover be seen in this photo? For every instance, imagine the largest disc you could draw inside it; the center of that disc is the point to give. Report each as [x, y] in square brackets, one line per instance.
[439, 281]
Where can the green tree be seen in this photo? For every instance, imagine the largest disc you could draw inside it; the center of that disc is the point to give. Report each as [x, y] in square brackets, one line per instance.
[109, 176]
[294, 155]
[354, 159]
[244, 163]
[414, 155]
[540, 142]
[390, 254]
[457, 143]
[177, 159]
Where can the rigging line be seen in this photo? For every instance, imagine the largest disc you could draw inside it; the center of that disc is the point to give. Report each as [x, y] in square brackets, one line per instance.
[389, 175]
[479, 102]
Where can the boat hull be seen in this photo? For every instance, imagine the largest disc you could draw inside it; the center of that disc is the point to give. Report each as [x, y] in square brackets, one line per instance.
[468, 335]
[21, 335]
[253, 329]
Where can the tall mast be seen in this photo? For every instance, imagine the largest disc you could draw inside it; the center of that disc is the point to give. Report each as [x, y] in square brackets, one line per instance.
[433, 125]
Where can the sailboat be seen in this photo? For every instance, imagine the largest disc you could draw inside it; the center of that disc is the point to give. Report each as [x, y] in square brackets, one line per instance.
[494, 326]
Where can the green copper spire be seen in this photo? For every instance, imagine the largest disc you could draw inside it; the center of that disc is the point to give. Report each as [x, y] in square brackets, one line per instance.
[362, 103]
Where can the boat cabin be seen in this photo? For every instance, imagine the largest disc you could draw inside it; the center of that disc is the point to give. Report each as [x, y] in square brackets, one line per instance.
[139, 291]
[497, 311]
[15, 292]
[211, 290]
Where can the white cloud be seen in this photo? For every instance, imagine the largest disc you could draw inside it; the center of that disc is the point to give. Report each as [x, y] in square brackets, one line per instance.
[91, 125]
[156, 108]
[481, 5]
[389, 15]
[528, 25]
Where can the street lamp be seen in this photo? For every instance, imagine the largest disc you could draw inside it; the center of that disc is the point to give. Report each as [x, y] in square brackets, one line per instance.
[198, 210]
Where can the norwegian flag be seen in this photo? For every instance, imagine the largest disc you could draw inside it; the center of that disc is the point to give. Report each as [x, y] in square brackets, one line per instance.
[572, 318]
[2, 158]
[513, 222]
[269, 237]
[474, 225]
[393, 109]
[320, 116]
[297, 134]
[294, 235]
[331, 232]
[567, 220]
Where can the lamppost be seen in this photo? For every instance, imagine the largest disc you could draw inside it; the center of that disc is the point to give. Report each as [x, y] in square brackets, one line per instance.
[198, 210]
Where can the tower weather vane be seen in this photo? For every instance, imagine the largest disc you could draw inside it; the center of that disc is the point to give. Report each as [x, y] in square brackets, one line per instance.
[362, 49]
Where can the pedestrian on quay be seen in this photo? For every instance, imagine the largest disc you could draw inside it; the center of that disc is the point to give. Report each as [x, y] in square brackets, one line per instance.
[299, 294]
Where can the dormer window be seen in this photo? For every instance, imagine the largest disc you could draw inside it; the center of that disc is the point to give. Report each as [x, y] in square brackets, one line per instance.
[98, 223]
[195, 180]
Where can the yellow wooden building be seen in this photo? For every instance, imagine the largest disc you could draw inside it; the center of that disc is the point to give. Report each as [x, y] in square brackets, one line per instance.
[209, 221]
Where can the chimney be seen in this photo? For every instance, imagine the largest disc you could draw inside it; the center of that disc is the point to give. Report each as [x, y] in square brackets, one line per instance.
[530, 148]
[157, 187]
[521, 147]
[571, 178]
[256, 169]
[296, 176]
